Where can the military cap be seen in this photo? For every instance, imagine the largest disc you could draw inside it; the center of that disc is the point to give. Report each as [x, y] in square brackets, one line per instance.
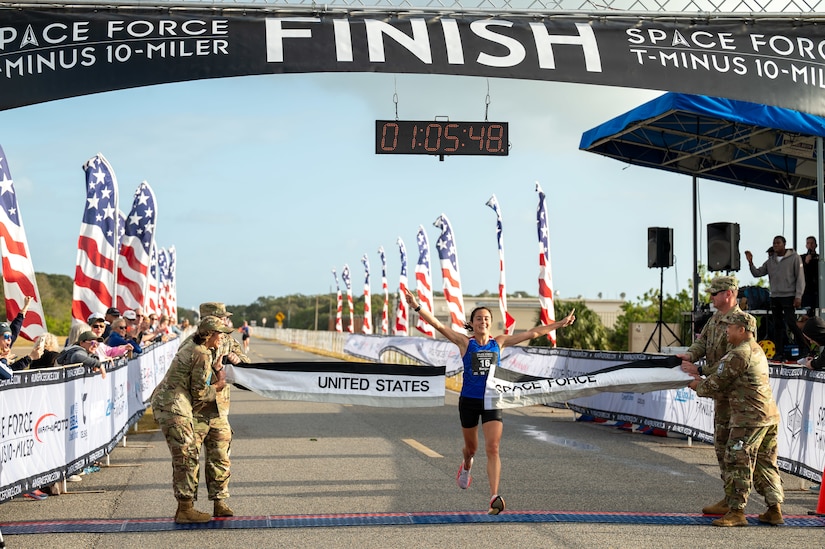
[722, 283]
[88, 335]
[742, 319]
[213, 308]
[213, 324]
[5, 328]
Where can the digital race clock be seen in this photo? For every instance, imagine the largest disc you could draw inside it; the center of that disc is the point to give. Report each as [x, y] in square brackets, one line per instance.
[440, 137]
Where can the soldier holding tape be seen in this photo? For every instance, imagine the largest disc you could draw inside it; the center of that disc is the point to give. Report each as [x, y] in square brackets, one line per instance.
[741, 377]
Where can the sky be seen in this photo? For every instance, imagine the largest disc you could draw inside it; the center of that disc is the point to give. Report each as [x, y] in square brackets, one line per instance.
[264, 184]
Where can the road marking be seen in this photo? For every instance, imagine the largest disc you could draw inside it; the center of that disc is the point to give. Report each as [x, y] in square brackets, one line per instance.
[421, 448]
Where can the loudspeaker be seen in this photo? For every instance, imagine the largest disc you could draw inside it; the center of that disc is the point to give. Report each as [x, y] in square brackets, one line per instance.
[723, 246]
[659, 247]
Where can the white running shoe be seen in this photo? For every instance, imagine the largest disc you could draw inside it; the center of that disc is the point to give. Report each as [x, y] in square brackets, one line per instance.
[464, 478]
[496, 505]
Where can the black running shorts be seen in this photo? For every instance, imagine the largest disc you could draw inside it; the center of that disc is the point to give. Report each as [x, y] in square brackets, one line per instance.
[470, 409]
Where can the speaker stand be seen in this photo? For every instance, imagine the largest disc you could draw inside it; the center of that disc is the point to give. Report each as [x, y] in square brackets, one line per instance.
[660, 323]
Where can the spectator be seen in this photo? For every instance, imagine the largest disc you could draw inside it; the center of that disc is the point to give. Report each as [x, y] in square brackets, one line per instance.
[51, 348]
[787, 282]
[164, 330]
[75, 331]
[104, 351]
[83, 352]
[111, 314]
[7, 358]
[810, 265]
[120, 336]
[144, 334]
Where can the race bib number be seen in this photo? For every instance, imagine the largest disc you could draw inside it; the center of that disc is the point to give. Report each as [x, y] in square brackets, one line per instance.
[482, 360]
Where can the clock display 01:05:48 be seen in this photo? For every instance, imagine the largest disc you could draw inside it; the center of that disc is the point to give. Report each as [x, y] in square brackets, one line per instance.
[441, 137]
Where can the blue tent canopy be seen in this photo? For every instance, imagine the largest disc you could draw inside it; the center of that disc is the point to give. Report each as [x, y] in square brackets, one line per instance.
[747, 144]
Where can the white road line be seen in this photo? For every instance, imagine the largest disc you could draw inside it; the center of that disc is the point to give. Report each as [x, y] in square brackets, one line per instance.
[421, 448]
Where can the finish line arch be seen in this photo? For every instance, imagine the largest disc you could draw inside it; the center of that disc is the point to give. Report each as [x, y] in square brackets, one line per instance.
[49, 53]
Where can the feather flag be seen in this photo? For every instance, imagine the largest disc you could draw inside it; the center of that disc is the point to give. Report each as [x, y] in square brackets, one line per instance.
[18, 271]
[423, 281]
[136, 250]
[340, 300]
[163, 270]
[509, 321]
[97, 247]
[348, 284]
[172, 290]
[548, 313]
[385, 310]
[401, 322]
[366, 325]
[152, 291]
[451, 279]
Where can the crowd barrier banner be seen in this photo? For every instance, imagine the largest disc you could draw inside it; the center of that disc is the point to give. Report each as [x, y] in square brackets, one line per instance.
[55, 422]
[799, 394]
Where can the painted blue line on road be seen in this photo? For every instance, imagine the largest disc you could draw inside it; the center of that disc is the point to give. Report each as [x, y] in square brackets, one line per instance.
[105, 526]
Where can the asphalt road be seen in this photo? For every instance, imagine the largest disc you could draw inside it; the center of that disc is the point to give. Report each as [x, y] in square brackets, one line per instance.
[295, 458]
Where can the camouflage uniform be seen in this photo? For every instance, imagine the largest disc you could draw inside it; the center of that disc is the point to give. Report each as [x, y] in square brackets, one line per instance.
[751, 450]
[212, 429]
[184, 389]
[712, 344]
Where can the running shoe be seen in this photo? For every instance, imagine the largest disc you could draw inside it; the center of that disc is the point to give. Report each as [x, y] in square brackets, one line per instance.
[464, 478]
[496, 505]
[36, 494]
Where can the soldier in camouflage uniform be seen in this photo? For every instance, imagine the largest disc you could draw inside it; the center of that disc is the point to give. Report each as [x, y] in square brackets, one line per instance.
[712, 344]
[212, 429]
[751, 451]
[188, 386]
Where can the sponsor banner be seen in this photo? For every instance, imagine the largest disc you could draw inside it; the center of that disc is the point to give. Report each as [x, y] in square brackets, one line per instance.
[49, 53]
[56, 421]
[384, 385]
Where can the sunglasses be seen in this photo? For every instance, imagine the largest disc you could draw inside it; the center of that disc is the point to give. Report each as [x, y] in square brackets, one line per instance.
[98, 326]
[7, 336]
[120, 328]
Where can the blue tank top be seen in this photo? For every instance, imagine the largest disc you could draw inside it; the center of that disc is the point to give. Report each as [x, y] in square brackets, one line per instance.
[477, 361]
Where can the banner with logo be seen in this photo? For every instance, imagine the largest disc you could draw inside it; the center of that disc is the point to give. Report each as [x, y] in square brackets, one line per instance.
[56, 421]
[49, 53]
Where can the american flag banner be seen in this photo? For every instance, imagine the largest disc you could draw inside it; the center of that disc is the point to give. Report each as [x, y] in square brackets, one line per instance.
[97, 247]
[509, 321]
[424, 281]
[366, 325]
[338, 324]
[385, 310]
[152, 291]
[451, 279]
[136, 249]
[401, 322]
[163, 272]
[548, 313]
[171, 289]
[348, 285]
[18, 271]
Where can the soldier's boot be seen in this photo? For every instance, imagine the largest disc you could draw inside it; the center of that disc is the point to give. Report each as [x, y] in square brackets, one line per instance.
[734, 517]
[187, 513]
[773, 515]
[222, 509]
[718, 508]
